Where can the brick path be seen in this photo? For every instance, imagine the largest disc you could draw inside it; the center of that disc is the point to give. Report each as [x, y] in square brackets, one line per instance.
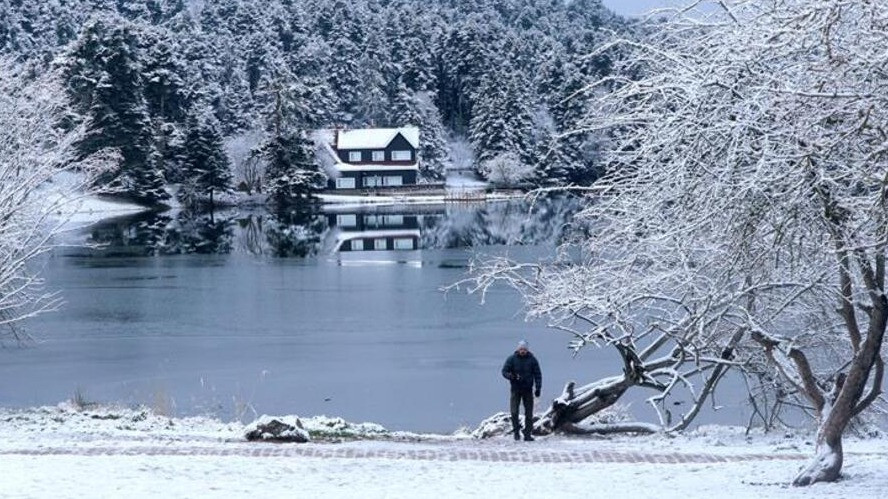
[443, 453]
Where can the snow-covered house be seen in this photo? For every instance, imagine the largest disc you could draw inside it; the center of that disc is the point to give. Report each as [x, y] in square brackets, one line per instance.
[375, 157]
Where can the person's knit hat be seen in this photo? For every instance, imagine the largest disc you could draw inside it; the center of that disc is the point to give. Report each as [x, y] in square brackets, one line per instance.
[522, 344]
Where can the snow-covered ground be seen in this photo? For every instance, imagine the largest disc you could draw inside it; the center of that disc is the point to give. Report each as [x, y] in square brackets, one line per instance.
[65, 452]
[64, 196]
[88, 210]
[464, 179]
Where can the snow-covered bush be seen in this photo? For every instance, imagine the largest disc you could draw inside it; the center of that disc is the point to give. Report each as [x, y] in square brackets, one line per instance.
[506, 169]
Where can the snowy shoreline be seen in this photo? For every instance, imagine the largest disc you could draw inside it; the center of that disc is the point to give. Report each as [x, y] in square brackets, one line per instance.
[149, 455]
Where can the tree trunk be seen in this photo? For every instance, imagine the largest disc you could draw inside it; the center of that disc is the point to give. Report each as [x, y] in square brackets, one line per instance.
[827, 463]
[575, 405]
[611, 428]
[849, 400]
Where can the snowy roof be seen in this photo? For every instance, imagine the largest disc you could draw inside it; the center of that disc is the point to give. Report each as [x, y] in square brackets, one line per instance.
[375, 138]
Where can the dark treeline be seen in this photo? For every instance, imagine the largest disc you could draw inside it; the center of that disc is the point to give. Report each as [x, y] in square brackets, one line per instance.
[176, 86]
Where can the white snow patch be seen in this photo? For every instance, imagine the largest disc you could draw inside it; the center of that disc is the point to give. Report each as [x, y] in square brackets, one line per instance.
[375, 138]
[464, 180]
[76, 209]
[205, 471]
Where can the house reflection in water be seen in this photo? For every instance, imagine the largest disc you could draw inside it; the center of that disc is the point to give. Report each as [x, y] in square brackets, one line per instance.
[377, 230]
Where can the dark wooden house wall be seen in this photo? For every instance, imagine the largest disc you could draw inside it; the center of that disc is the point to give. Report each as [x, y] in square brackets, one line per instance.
[370, 242]
[409, 177]
[370, 221]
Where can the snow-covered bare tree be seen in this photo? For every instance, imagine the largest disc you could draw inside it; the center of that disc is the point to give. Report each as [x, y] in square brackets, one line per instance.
[34, 151]
[506, 169]
[745, 209]
[246, 163]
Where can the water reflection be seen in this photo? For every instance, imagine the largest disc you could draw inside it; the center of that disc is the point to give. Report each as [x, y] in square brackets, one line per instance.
[335, 229]
[376, 230]
[294, 234]
[192, 233]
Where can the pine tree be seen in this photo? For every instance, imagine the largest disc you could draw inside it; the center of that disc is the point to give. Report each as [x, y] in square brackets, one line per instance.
[371, 98]
[572, 158]
[169, 139]
[468, 55]
[419, 110]
[134, 9]
[501, 121]
[232, 102]
[106, 59]
[207, 170]
[411, 49]
[344, 76]
[292, 175]
[257, 60]
[164, 72]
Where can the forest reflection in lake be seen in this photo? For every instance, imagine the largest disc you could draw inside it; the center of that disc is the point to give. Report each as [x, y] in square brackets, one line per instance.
[307, 233]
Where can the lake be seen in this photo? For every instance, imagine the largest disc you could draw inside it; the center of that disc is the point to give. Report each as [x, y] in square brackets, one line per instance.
[338, 312]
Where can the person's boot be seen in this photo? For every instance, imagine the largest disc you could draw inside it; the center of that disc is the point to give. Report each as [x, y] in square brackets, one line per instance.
[527, 437]
[516, 428]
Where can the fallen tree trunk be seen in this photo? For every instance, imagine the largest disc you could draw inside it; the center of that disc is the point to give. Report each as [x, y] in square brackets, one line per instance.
[611, 428]
[577, 404]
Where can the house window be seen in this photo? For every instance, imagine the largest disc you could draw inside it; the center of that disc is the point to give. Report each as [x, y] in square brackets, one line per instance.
[354, 156]
[345, 183]
[379, 156]
[347, 220]
[384, 220]
[393, 219]
[380, 243]
[403, 243]
[372, 181]
[394, 180]
[402, 155]
[357, 245]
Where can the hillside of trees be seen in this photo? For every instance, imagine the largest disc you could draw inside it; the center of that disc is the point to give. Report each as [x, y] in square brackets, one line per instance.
[203, 95]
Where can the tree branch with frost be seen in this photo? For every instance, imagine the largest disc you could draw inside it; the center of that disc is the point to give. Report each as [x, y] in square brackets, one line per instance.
[34, 150]
[748, 202]
[774, 171]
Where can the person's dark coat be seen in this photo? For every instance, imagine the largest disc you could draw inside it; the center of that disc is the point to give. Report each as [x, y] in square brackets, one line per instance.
[523, 372]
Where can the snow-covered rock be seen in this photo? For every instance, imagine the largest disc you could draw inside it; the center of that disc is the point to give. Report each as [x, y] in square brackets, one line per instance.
[496, 425]
[277, 429]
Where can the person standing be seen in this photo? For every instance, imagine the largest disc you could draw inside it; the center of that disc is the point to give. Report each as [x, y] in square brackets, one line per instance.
[523, 372]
